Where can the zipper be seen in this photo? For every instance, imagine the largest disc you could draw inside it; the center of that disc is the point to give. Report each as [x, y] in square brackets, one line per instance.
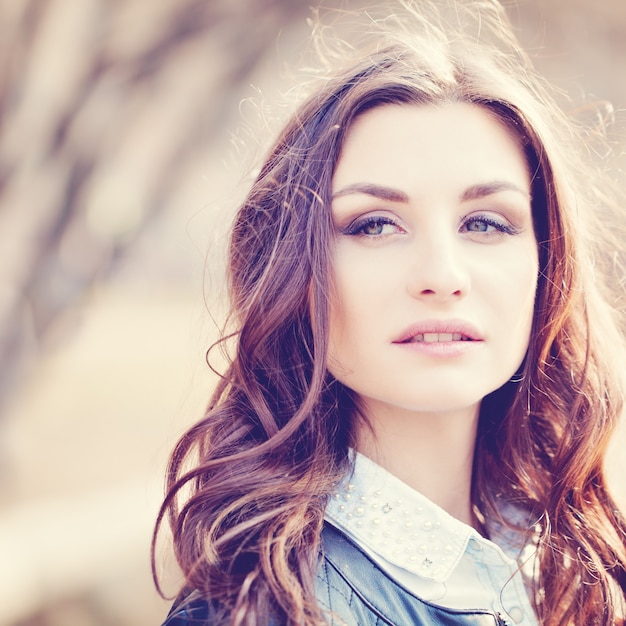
[500, 620]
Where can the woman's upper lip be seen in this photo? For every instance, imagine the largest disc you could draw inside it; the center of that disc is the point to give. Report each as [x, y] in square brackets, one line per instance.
[466, 330]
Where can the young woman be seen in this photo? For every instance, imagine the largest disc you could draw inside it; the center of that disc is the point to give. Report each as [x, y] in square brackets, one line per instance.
[425, 371]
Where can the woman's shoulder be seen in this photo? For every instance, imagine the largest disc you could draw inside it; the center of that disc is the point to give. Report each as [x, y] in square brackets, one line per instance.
[192, 609]
[351, 588]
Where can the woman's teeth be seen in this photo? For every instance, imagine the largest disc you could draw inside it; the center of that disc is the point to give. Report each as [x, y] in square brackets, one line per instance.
[439, 337]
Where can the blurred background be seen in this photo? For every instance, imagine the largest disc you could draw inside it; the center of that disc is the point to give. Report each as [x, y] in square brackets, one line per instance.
[127, 129]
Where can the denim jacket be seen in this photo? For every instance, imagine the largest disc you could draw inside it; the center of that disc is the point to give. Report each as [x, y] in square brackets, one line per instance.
[355, 592]
[432, 554]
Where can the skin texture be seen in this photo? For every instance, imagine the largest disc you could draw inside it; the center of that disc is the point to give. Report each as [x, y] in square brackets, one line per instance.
[434, 237]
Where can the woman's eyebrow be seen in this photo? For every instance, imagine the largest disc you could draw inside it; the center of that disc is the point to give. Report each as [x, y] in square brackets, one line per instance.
[378, 191]
[476, 192]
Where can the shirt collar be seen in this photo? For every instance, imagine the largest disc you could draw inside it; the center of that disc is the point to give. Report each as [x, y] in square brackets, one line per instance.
[386, 516]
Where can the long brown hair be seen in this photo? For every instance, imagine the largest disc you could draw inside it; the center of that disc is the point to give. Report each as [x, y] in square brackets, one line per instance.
[248, 484]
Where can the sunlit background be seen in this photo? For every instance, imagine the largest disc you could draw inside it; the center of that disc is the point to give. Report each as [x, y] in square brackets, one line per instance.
[127, 130]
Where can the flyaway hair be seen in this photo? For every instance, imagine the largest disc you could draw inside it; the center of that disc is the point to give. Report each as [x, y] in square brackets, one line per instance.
[247, 485]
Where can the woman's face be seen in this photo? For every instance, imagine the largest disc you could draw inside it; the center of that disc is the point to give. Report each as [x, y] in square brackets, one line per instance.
[435, 263]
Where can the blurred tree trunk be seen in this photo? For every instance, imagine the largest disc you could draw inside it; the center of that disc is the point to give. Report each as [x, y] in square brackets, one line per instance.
[81, 87]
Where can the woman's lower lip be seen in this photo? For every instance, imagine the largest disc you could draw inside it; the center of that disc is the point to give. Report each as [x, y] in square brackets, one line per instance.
[440, 349]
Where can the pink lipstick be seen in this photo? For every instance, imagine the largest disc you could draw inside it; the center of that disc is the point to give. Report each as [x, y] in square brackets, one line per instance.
[442, 338]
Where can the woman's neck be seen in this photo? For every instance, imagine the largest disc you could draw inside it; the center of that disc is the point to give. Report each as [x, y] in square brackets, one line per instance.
[432, 453]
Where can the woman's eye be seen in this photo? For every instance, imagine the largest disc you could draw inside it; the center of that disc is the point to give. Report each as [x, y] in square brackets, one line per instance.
[375, 226]
[484, 224]
[478, 226]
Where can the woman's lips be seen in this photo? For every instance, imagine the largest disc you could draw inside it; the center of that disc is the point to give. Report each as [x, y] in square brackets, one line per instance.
[430, 331]
[443, 338]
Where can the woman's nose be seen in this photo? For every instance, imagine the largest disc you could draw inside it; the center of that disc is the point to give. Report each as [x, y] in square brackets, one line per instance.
[439, 271]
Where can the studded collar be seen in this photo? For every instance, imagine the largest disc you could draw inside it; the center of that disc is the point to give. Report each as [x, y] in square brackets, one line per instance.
[386, 516]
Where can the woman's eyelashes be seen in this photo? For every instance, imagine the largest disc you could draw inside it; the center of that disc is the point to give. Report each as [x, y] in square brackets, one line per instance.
[378, 226]
[488, 225]
[372, 226]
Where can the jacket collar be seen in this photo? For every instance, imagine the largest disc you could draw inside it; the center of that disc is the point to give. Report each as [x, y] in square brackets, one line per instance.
[387, 517]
